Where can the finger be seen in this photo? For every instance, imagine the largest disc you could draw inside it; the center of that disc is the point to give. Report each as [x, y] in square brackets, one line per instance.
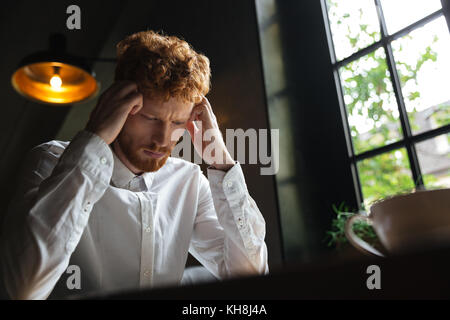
[199, 108]
[208, 108]
[112, 90]
[106, 95]
[97, 107]
[206, 102]
[196, 113]
[192, 116]
[190, 128]
[133, 102]
[125, 89]
[202, 114]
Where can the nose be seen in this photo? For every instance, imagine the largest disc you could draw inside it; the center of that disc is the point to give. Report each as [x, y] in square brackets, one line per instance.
[162, 135]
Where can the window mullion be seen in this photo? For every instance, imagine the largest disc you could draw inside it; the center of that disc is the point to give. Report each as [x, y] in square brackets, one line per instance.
[411, 150]
[446, 10]
[412, 153]
[344, 115]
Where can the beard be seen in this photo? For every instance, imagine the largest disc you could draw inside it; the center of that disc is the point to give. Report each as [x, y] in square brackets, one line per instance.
[136, 156]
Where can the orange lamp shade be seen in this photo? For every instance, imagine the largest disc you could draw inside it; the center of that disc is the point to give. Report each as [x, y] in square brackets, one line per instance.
[54, 83]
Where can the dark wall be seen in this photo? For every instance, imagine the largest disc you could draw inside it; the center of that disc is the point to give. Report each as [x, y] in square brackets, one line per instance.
[24, 28]
[225, 31]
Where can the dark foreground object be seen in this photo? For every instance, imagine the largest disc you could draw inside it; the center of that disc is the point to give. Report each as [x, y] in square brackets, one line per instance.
[419, 275]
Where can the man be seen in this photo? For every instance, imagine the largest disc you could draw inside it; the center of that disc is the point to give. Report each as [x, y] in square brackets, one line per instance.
[115, 207]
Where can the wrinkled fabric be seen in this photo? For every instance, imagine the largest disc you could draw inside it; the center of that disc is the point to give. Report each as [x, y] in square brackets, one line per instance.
[78, 205]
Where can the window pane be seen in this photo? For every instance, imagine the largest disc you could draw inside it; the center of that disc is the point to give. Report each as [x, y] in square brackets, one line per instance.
[384, 175]
[370, 100]
[354, 25]
[422, 60]
[434, 160]
[398, 14]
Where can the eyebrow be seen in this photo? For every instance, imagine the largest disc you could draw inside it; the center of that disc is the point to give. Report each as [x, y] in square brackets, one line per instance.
[175, 120]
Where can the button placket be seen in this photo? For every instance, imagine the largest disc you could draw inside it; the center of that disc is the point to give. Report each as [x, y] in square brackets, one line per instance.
[147, 240]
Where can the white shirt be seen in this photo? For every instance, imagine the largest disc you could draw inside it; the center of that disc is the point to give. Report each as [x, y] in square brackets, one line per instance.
[78, 204]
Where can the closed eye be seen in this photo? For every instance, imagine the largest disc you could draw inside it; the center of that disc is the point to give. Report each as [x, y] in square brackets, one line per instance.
[149, 118]
[177, 123]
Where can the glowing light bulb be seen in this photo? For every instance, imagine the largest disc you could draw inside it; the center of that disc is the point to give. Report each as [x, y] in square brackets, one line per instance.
[56, 82]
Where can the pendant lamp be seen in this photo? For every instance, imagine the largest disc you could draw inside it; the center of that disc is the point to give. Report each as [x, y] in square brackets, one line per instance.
[55, 77]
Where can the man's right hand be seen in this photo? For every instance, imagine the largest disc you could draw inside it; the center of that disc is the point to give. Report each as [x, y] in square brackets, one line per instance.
[112, 109]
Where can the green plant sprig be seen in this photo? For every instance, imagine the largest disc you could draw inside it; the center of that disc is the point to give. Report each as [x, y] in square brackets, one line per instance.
[336, 236]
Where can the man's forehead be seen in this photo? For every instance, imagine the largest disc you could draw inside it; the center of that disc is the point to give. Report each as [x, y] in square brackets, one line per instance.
[173, 105]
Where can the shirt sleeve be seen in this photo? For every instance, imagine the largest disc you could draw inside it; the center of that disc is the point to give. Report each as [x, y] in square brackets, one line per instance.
[47, 217]
[229, 229]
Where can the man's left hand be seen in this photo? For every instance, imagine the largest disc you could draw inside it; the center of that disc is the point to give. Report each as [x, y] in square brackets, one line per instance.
[203, 121]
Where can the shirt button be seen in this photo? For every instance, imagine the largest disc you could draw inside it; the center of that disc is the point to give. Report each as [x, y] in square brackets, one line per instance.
[103, 160]
[229, 184]
[148, 229]
[146, 273]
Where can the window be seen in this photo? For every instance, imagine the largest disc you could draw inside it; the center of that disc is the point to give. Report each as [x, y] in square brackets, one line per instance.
[391, 63]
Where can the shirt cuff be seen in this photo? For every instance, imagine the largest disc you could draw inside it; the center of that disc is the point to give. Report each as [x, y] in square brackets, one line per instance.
[91, 153]
[229, 185]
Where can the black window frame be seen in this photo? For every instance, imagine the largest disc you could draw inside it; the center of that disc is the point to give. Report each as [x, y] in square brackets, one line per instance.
[409, 140]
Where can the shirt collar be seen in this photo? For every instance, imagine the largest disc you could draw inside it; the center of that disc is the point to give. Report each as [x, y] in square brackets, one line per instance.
[124, 178]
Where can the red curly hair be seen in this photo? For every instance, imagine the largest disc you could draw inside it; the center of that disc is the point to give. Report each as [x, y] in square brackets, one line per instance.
[163, 66]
